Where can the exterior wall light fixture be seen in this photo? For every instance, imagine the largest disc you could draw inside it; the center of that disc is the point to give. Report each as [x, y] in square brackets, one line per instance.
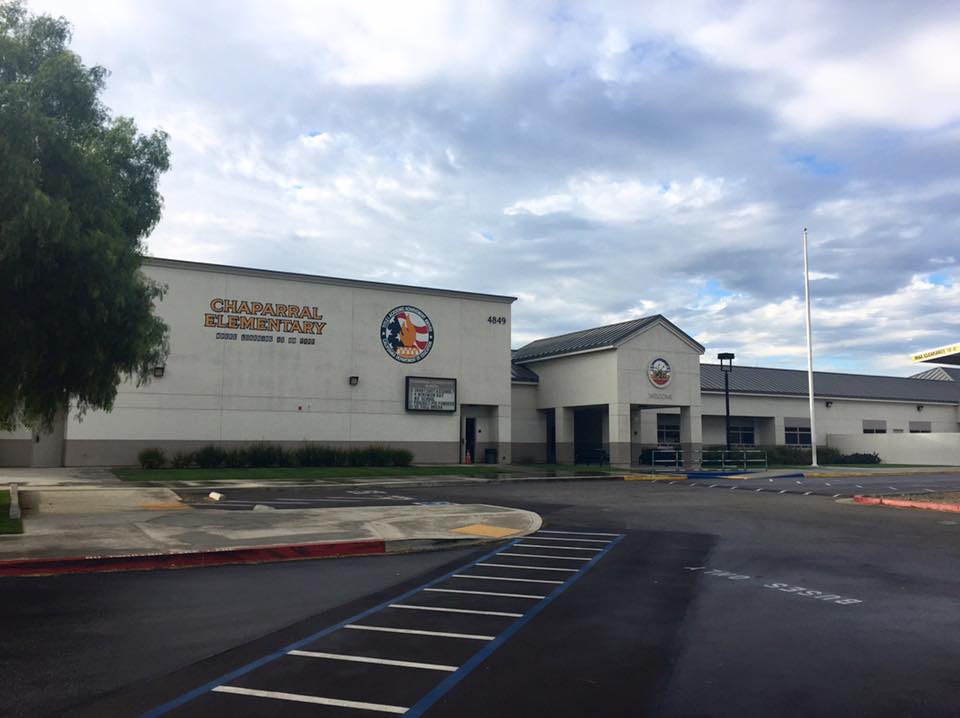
[829, 404]
[354, 380]
[919, 407]
[158, 371]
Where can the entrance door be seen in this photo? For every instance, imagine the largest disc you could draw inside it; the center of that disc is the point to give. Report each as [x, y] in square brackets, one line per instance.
[48, 446]
[470, 438]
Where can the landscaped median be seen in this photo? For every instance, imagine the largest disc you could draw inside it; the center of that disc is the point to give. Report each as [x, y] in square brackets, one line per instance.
[342, 474]
[943, 501]
[148, 540]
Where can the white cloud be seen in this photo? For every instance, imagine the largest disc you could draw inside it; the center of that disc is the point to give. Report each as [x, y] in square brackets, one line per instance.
[608, 200]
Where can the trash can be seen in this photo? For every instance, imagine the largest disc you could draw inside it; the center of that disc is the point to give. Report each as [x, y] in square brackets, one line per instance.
[489, 456]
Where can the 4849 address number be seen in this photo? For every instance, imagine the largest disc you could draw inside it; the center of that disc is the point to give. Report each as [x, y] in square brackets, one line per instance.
[496, 320]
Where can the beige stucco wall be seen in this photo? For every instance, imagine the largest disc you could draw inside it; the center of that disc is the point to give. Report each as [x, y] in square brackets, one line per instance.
[845, 416]
[930, 449]
[529, 426]
[233, 391]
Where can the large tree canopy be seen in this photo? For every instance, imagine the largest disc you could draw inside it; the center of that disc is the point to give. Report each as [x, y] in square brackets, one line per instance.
[78, 195]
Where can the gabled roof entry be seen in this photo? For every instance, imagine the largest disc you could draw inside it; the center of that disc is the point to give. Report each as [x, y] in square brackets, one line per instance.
[940, 373]
[605, 337]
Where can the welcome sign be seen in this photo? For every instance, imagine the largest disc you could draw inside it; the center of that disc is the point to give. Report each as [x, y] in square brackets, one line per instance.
[247, 315]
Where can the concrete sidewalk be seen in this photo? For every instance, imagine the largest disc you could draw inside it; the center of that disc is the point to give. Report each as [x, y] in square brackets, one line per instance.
[152, 538]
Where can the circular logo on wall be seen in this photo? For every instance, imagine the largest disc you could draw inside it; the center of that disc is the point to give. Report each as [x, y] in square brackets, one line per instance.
[660, 372]
[407, 334]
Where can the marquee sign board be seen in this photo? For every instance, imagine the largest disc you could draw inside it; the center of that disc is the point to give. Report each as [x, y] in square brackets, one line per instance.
[943, 355]
[431, 394]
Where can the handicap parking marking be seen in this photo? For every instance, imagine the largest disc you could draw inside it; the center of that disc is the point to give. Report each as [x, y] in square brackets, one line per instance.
[513, 589]
[832, 598]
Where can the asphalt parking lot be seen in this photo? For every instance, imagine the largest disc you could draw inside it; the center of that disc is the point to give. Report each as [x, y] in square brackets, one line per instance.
[705, 602]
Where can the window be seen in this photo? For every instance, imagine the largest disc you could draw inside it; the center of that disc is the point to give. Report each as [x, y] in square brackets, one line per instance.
[919, 427]
[741, 432]
[874, 426]
[796, 431]
[668, 429]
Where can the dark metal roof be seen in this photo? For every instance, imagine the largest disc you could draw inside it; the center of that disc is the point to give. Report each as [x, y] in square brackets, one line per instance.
[587, 339]
[520, 373]
[793, 382]
[939, 373]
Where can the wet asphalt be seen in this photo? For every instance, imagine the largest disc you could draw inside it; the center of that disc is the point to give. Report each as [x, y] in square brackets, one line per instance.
[692, 601]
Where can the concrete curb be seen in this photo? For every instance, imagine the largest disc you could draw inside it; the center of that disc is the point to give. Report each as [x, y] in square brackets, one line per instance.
[226, 556]
[905, 504]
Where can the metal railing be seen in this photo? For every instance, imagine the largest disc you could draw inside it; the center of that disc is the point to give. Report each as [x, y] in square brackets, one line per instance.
[711, 459]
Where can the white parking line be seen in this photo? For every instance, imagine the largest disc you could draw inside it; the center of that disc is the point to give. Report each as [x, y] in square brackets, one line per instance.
[504, 578]
[576, 533]
[549, 538]
[537, 555]
[558, 548]
[485, 593]
[298, 698]
[380, 661]
[930, 491]
[858, 486]
[531, 568]
[826, 484]
[442, 609]
[418, 632]
[893, 487]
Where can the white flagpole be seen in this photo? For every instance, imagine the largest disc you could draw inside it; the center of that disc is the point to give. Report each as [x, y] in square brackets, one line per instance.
[806, 291]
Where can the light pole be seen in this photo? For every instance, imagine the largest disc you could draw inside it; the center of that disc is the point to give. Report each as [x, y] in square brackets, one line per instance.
[726, 366]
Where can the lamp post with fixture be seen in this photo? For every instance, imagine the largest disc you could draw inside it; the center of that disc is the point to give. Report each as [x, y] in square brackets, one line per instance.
[726, 366]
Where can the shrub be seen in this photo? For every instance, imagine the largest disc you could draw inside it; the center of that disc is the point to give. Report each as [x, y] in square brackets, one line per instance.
[181, 460]
[829, 455]
[151, 458]
[209, 457]
[319, 456]
[873, 458]
[235, 458]
[262, 455]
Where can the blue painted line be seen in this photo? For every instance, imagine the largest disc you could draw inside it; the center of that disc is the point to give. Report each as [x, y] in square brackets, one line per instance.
[243, 670]
[453, 679]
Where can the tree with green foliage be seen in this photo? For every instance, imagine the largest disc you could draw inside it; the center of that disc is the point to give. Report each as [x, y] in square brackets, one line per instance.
[78, 196]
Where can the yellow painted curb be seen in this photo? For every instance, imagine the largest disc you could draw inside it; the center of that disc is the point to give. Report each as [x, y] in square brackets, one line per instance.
[485, 530]
[654, 477]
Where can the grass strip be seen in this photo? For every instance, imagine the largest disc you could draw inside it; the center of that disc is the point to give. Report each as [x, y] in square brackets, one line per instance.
[337, 474]
[7, 524]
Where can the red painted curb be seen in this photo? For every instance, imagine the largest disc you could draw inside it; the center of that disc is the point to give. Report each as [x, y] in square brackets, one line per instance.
[906, 504]
[215, 557]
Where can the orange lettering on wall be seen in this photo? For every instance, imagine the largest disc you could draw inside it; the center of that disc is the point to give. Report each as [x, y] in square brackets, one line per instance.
[233, 322]
[281, 310]
[320, 326]
[256, 307]
[216, 305]
[293, 311]
[247, 322]
[209, 320]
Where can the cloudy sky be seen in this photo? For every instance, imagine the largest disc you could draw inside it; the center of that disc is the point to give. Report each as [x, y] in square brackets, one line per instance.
[600, 161]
